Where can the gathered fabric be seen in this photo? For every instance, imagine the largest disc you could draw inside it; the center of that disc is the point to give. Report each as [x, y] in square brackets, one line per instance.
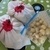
[10, 36]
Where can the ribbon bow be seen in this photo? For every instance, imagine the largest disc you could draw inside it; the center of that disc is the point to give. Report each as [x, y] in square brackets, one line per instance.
[6, 25]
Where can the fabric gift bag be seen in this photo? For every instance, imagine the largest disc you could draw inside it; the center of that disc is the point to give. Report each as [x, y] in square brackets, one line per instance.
[10, 33]
[21, 11]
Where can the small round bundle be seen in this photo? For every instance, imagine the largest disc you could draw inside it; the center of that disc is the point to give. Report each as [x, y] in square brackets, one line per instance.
[38, 31]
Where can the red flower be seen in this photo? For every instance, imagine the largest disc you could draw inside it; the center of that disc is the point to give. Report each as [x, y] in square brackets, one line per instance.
[7, 26]
[19, 8]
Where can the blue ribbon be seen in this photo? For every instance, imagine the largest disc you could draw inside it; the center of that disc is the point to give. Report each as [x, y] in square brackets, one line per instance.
[27, 24]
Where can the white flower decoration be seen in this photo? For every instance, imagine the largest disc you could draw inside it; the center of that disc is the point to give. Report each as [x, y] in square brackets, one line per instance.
[20, 10]
[10, 33]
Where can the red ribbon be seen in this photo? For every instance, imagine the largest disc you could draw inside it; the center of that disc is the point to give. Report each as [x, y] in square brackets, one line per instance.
[19, 8]
[7, 26]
